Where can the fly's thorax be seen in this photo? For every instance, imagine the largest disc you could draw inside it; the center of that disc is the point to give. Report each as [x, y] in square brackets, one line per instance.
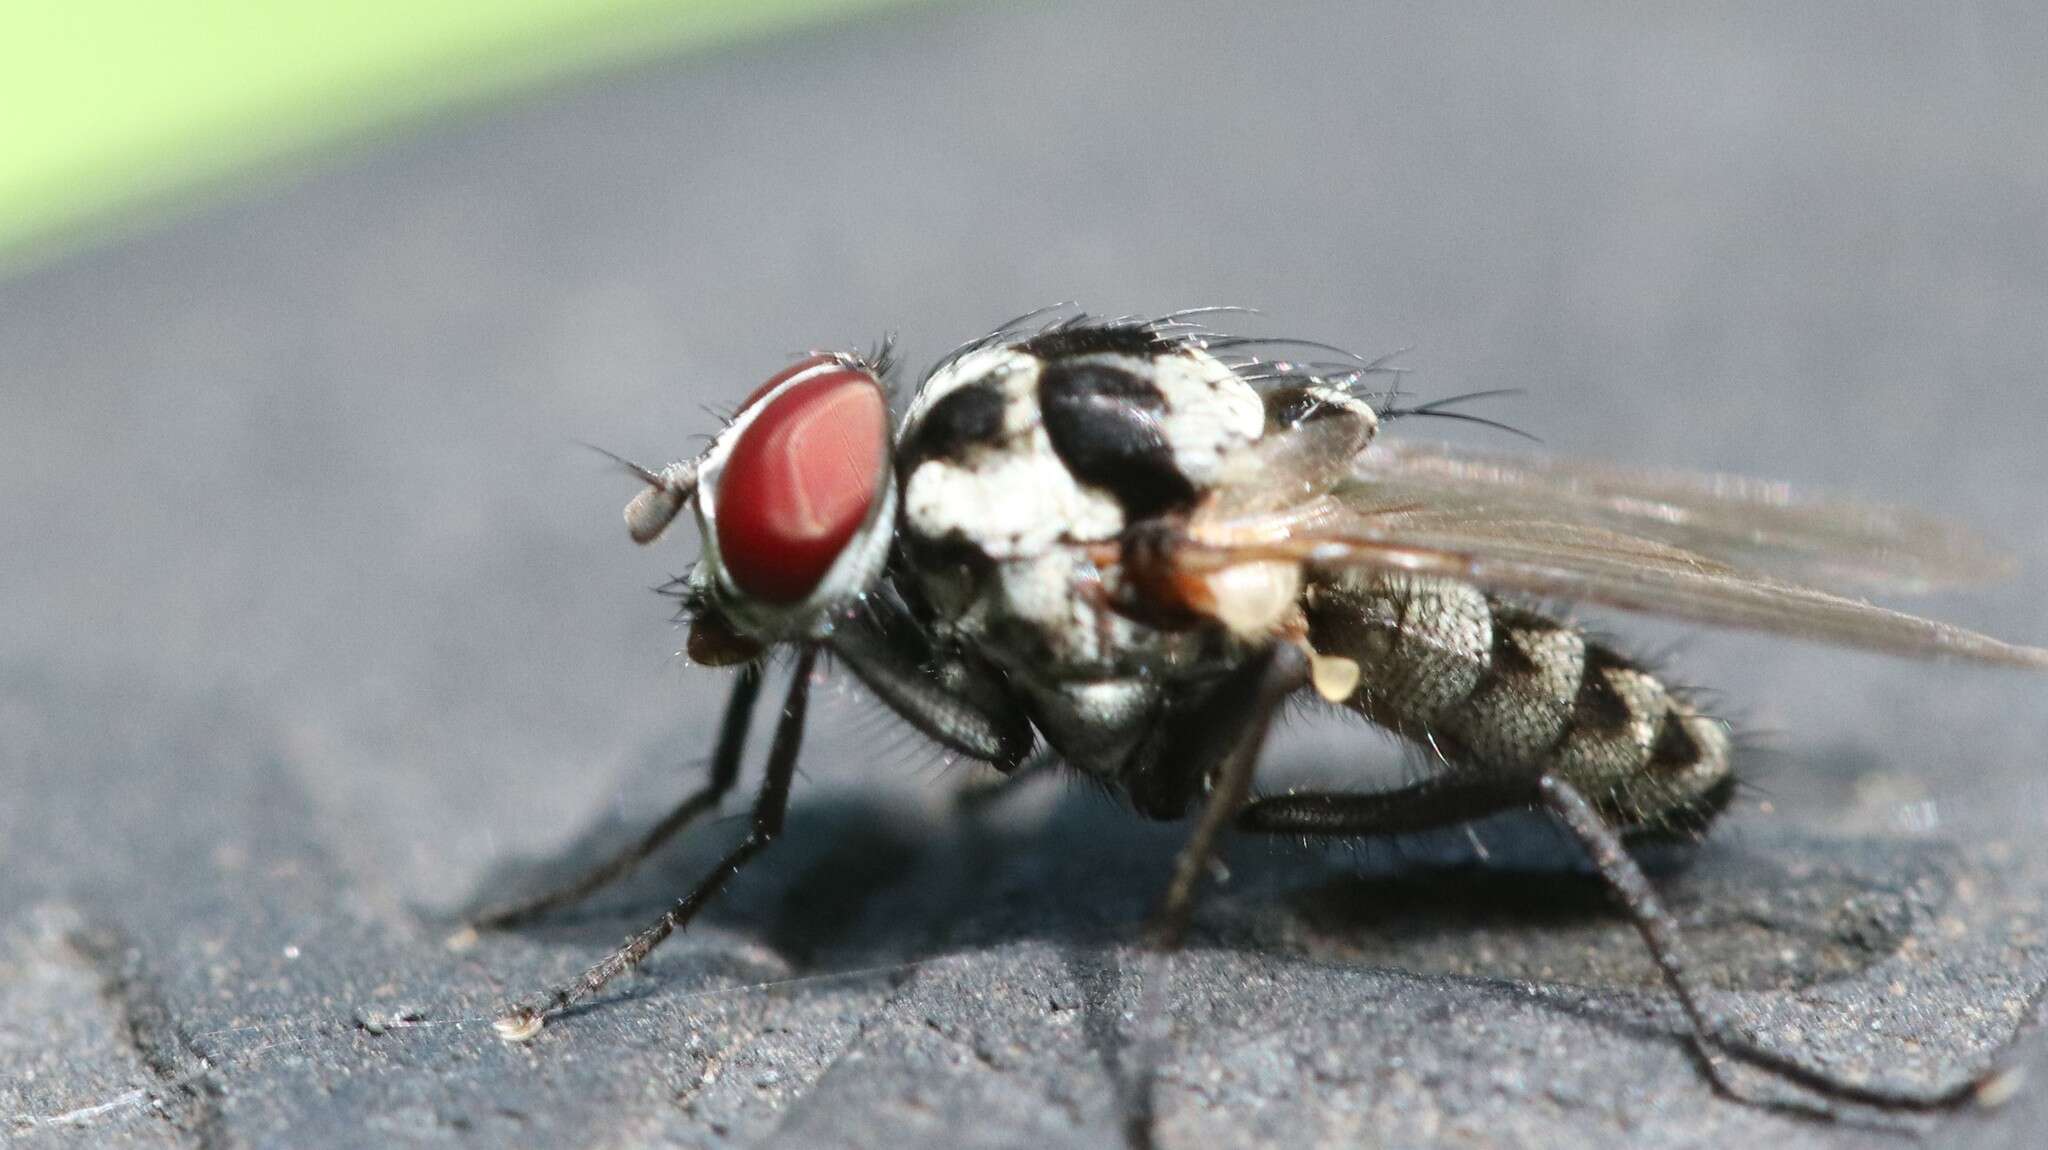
[1016, 461]
[1016, 448]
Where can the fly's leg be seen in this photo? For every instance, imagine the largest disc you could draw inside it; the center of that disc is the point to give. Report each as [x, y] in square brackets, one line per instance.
[770, 804]
[725, 770]
[1449, 802]
[1711, 1033]
[1215, 749]
[1519, 710]
[959, 704]
[1424, 806]
[956, 702]
[955, 705]
[980, 793]
[1653, 922]
[1219, 751]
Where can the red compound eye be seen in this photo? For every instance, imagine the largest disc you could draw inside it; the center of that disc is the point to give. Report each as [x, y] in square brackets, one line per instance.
[784, 376]
[800, 481]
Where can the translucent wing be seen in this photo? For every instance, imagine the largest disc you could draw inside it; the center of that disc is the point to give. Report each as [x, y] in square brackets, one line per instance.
[1745, 522]
[1709, 549]
[1289, 468]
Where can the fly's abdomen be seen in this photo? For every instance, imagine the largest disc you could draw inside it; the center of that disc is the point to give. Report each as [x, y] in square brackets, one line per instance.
[1494, 692]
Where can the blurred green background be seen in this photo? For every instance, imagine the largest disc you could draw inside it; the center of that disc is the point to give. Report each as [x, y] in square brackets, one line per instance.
[114, 112]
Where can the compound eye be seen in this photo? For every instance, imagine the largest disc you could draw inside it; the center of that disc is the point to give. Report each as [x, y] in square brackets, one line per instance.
[801, 479]
[809, 363]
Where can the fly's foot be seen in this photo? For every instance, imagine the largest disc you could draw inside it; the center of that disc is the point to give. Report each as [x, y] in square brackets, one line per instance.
[520, 1024]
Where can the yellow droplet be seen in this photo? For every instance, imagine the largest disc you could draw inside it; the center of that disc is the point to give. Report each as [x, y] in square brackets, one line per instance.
[1334, 676]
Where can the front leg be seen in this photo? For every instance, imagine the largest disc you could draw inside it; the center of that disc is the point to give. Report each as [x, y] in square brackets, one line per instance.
[960, 704]
[524, 1020]
[725, 771]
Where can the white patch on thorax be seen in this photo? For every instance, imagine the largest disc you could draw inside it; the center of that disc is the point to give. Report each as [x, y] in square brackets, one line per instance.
[1013, 498]
[1012, 501]
[1002, 365]
[1210, 412]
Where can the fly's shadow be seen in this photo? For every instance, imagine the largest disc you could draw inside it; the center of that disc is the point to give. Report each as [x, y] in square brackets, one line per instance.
[1786, 914]
[859, 881]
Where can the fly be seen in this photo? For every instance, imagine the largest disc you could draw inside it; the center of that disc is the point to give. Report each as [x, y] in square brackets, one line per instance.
[1128, 543]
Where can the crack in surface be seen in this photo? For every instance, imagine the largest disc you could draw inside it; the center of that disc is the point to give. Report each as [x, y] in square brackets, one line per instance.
[184, 1093]
[906, 979]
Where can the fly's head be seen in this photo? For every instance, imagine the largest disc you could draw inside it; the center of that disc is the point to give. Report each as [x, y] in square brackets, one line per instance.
[795, 504]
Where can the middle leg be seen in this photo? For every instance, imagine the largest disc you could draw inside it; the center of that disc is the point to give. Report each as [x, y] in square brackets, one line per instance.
[1215, 751]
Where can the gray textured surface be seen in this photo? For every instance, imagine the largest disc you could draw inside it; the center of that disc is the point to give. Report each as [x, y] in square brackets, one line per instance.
[318, 625]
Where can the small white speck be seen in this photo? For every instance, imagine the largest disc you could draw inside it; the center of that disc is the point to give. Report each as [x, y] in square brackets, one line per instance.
[518, 1027]
[2001, 1087]
[291, 952]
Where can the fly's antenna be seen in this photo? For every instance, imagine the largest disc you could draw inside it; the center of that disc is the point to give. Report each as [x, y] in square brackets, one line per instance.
[668, 491]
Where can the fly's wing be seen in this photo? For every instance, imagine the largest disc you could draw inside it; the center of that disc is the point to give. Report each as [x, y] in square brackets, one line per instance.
[1689, 547]
[1745, 522]
[1287, 469]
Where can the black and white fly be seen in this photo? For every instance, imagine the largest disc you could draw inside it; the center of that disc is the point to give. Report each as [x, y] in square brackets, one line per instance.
[1129, 542]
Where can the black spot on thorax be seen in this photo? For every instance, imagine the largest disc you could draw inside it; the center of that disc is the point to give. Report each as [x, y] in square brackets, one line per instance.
[968, 415]
[1104, 421]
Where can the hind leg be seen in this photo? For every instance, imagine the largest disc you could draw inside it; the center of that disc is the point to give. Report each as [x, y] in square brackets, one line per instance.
[1441, 803]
